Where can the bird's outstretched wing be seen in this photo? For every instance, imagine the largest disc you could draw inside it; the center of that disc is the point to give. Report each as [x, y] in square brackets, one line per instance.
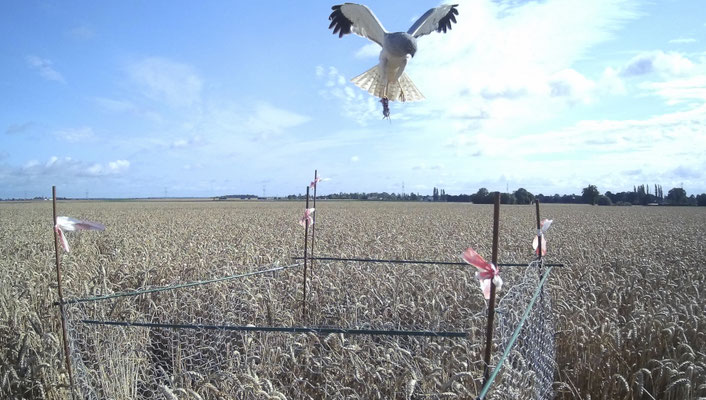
[356, 18]
[437, 19]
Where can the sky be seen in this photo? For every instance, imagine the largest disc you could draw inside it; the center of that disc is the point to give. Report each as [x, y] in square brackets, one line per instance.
[152, 98]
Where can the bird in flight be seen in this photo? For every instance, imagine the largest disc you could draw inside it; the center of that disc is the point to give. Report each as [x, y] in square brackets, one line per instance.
[387, 80]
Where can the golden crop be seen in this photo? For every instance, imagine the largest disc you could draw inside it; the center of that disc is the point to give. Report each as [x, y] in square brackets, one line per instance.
[630, 309]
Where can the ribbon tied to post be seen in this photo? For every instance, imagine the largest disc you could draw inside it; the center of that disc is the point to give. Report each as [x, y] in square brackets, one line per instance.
[486, 273]
[308, 218]
[543, 227]
[72, 224]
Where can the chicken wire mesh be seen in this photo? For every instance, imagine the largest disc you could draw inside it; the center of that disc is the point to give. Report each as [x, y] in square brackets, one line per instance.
[188, 351]
[200, 358]
[528, 370]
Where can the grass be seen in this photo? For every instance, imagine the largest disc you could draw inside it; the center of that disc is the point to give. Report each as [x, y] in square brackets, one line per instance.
[629, 305]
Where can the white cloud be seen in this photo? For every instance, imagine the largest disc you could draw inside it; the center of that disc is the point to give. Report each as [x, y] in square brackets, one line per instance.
[193, 166]
[75, 135]
[683, 40]
[355, 104]
[267, 119]
[187, 142]
[16, 129]
[118, 166]
[370, 50]
[355, 159]
[45, 68]
[519, 56]
[670, 64]
[675, 77]
[111, 168]
[68, 169]
[503, 64]
[52, 161]
[125, 106]
[572, 85]
[82, 32]
[599, 151]
[678, 91]
[167, 81]
[611, 82]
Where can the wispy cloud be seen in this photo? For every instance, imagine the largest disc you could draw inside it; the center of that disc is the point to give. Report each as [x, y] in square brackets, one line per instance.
[676, 91]
[76, 135]
[261, 120]
[111, 168]
[657, 62]
[65, 171]
[354, 103]
[597, 150]
[17, 129]
[82, 32]
[683, 40]
[187, 143]
[675, 77]
[170, 82]
[267, 119]
[128, 107]
[68, 167]
[45, 68]
[505, 61]
[370, 50]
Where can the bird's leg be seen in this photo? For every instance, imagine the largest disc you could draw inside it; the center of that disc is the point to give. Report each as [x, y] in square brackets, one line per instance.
[385, 107]
[385, 102]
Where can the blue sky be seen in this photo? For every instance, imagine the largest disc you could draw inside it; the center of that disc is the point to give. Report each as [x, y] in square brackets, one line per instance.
[134, 98]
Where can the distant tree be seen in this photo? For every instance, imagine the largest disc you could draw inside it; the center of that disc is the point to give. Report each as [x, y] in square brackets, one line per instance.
[522, 196]
[435, 196]
[482, 196]
[604, 200]
[507, 198]
[590, 194]
[701, 199]
[677, 196]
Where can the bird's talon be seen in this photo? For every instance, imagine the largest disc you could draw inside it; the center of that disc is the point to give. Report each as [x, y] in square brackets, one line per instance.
[385, 107]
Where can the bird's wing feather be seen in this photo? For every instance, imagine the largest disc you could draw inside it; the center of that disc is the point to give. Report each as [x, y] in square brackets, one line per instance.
[437, 19]
[356, 18]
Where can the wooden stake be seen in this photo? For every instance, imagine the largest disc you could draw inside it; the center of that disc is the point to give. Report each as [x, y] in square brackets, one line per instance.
[306, 242]
[57, 258]
[539, 238]
[491, 302]
[313, 225]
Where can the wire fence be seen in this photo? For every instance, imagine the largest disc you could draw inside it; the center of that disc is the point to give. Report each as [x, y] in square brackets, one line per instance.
[203, 342]
[525, 358]
[216, 339]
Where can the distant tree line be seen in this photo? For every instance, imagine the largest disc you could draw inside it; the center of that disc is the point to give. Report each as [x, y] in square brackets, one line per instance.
[377, 196]
[236, 196]
[640, 195]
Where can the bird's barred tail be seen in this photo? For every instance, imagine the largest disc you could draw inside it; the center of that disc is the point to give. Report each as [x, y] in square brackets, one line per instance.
[403, 90]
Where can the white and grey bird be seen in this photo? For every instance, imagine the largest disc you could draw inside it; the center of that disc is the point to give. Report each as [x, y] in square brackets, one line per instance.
[387, 80]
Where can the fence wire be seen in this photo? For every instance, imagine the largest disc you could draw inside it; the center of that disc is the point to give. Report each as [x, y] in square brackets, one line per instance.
[528, 370]
[155, 359]
[177, 350]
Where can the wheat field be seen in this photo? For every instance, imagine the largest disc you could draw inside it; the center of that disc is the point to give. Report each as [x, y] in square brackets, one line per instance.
[629, 303]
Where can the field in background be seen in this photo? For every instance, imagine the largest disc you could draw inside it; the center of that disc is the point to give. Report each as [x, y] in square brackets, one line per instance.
[630, 307]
